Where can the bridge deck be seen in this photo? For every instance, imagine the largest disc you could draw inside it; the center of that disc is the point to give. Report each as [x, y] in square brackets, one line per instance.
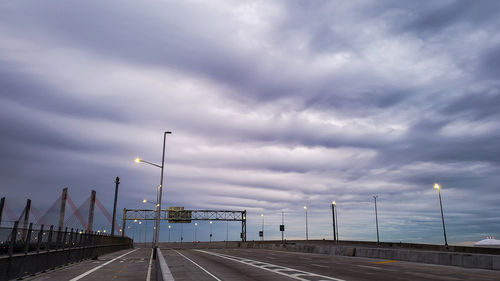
[131, 264]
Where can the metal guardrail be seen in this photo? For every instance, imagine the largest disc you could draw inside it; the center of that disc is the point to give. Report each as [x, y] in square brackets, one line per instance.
[25, 251]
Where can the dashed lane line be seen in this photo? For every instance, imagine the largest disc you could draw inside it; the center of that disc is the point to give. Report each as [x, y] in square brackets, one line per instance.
[98, 267]
[286, 271]
[206, 271]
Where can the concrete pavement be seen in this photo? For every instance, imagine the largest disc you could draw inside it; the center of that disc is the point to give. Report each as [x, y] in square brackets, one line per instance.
[259, 264]
[131, 264]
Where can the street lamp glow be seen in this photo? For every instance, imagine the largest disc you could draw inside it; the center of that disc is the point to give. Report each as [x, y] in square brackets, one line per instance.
[140, 222]
[436, 186]
[261, 215]
[195, 224]
[169, 226]
[305, 207]
[135, 220]
[137, 160]
[210, 222]
[144, 201]
[334, 203]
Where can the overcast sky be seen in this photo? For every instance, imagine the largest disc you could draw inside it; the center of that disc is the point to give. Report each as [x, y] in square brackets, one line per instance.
[273, 105]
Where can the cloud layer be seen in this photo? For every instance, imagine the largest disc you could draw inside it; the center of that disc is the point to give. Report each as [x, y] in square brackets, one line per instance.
[273, 105]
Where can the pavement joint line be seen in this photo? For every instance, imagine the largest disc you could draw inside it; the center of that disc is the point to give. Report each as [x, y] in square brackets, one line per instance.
[278, 269]
[215, 277]
[100, 266]
[148, 276]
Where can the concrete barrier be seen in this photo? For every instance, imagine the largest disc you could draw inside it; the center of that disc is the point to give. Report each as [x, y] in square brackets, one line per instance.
[420, 255]
[162, 271]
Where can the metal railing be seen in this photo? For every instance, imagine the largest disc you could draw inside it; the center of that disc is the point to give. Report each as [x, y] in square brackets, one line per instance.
[27, 250]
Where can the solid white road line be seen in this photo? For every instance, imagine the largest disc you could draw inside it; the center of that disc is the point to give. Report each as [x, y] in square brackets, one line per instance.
[215, 277]
[296, 274]
[148, 276]
[96, 268]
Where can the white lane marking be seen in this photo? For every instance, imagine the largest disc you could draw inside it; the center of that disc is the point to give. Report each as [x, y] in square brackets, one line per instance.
[371, 267]
[96, 268]
[148, 276]
[319, 265]
[295, 273]
[215, 277]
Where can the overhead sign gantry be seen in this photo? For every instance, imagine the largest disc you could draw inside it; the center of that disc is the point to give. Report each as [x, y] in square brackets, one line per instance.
[179, 215]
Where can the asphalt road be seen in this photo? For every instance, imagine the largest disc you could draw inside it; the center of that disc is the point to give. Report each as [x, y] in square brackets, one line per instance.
[258, 264]
[131, 264]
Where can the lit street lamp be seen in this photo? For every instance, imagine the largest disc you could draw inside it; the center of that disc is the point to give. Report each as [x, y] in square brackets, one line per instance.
[211, 231]
[160, 192]
[436, 186]
[195, 226]
[333, 221]
[169, 227]
[307, 231]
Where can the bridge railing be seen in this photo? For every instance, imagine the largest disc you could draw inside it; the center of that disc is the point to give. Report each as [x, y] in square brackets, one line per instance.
[15, 240]
[28, 250]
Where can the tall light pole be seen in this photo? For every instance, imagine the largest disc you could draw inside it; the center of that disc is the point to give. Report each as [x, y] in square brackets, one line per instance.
[160, 192]
[195, 226]
[262, 237]
[211, 231]
[436, 186]
[307, 231]
[376, 217]
[333, 221]
[169, 227]
[282, 227]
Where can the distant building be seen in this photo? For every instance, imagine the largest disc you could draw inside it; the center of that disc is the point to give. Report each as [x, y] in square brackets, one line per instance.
[489, 242]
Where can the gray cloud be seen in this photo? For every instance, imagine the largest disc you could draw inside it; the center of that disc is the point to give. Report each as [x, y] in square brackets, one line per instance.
[273, 105]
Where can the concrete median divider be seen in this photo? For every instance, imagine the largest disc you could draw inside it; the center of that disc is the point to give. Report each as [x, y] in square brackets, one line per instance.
[162, 271]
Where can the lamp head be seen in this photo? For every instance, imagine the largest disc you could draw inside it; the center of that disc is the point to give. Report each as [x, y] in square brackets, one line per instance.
[137, 160]
[436, 186]
[144, 201]
[305, 207]
[334, 203]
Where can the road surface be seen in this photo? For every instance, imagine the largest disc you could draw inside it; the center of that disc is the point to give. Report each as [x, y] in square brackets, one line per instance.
[258, 264]
[131, 264]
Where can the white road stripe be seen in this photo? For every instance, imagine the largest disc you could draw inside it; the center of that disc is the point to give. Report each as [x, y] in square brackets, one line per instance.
[276, 268]
[148, 276]
[96, 268]
[215, 277]
[319, 265]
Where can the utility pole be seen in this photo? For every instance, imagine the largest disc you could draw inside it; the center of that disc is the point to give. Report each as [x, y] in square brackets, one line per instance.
[117, 182]
[376, 217]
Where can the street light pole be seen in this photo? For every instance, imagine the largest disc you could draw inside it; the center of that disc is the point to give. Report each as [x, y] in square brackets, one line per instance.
[262, 238]
[436, 186]
[211, 231]
[160, 188]
[376, 217]
[307, 231]
[169, 227]
[333, 222]
[195, 227]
